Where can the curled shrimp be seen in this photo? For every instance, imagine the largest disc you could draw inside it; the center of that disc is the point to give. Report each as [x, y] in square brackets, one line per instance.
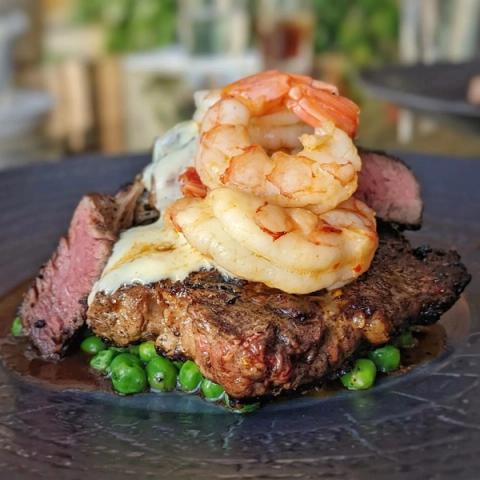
[304, 122]
[294, 249]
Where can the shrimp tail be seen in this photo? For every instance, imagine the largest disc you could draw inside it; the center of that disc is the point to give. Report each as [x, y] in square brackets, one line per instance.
[314, 106]
[191, 185]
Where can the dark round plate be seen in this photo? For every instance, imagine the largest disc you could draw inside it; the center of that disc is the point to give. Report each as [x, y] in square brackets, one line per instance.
[438, 88]
[425, 424]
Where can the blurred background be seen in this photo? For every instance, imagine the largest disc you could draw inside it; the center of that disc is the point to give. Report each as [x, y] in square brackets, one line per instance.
[82, 76]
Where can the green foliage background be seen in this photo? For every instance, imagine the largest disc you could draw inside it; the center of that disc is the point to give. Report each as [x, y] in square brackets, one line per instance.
[366, 31]
[130, 24]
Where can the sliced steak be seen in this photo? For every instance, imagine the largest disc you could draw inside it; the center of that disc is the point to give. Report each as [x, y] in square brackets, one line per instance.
[55, 305]
[389, 187]
[255, 340]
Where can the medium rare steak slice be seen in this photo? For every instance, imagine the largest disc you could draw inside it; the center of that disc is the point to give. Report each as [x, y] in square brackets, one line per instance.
[255, 340]
[389, 187]
[55, 305]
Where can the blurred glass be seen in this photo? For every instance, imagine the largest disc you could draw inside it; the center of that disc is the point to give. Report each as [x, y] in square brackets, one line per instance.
[214, 26]
[285, 31]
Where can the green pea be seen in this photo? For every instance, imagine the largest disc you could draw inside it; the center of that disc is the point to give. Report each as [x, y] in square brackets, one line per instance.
[189, 377]
[122, 358]
[128, 376]
[161, 374]
[386, 359]
[16, 328]
[118, 349]
[237, 407]
[125, 357]
[361, 377]
[212, 391]
[134, 349]
[147, 351]
[92, 345]
[102, 360]
[405, 340]
[247, 408]
[178, 364]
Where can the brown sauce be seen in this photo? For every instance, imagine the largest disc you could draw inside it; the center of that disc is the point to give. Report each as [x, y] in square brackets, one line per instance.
[73, 373]
[18, 356]
[431, 341]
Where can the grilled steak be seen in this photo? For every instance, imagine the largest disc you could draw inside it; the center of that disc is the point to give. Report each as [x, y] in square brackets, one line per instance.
[255, 340]
[390, 188]
[54, 307]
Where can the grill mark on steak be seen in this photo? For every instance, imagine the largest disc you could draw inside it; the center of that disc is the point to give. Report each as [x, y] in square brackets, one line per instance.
[54, 307]
[266, 341]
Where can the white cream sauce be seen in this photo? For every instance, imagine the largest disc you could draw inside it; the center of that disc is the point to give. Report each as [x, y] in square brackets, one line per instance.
[148, 254]
[156, 252]
[172, 153]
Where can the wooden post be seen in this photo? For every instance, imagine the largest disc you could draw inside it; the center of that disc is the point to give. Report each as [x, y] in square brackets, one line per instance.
[109, 102]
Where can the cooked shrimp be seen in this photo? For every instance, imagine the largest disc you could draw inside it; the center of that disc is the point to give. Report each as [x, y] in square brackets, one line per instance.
[304, 122]
[190, 183]
[293, 249]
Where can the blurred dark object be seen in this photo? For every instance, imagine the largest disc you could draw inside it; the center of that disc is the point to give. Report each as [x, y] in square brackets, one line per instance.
[285, 32]
[130, 25]
[366, 31]
[432, 96]
[473, 91]
[218, 27]
[439, 88]
[425, 108]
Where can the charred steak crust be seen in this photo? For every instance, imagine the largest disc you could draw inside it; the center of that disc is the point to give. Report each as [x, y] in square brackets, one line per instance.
[255, 340]
[54, 307]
